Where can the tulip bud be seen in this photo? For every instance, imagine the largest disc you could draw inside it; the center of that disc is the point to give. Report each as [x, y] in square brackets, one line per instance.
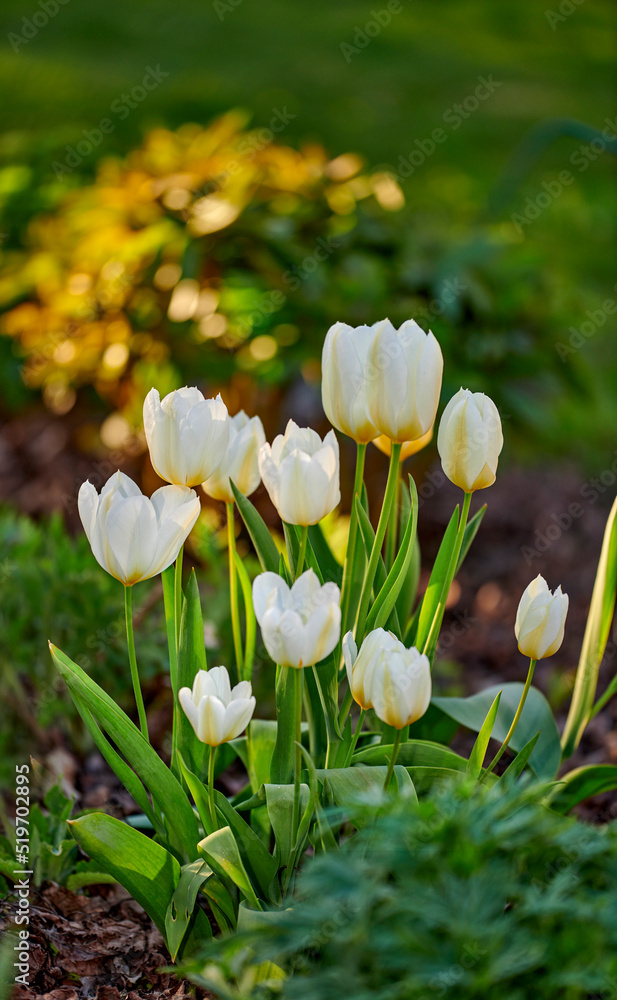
[240, 462]
[301, 474]
[540, 620]
[387, 677]
[345, 384]
[300, 625]
[131, 536]
[217, 712]
[187, 435]
[404, 370]
[470, 440]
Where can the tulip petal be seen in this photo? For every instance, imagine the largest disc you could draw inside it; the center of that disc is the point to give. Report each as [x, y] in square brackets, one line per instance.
[131, 533]
[263, 586]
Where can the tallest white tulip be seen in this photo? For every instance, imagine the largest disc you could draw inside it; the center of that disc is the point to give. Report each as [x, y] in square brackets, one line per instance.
[404, 372]
[187, 435]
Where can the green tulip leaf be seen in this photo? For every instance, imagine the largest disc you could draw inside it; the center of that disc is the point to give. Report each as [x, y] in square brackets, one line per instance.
[470, 532]
[331, 569]
[182, 905]
[386, 598]
[223, 855]
[145, 869]
[191, 659]
[536, 715]
[166, 791]
[412, 753]
[476, 757]
[279, 800]
[519, 763]
[596, 636]
[581, 784]
[261, 538]
[437, 581]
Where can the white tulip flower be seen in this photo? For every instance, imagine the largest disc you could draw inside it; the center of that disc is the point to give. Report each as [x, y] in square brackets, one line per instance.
[240, 461]
[404, 371]
[345, 384]
[301, 624]
[540, 620]
[187, 435]
[134, 537]
[388, 677]
[470, 440]
[301, 474]
[217, 712]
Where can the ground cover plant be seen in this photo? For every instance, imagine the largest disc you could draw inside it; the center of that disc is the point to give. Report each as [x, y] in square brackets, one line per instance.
[350, 646]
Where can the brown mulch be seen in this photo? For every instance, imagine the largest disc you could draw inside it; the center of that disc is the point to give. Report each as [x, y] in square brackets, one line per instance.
[101, 945]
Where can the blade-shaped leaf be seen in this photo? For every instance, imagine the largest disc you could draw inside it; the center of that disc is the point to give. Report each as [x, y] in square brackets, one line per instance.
[261, 538]
[436, 583]
[182, 906]
[222, 854]
[386, 598]
[143, 867]
[470, 532]
[476, 757]
[412, 753]
[331, 569]
[596, 636]
[249, 616]
[536, 715]
[191, 659]
[582, 783]
[158, 779]
[349, 784]
[279, 800]
[517, 766]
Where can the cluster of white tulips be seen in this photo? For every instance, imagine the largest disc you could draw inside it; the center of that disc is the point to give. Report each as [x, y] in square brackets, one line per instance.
[352, 645]
[379, 384]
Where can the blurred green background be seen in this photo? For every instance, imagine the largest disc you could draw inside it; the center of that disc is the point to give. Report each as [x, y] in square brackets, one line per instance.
[378, 92]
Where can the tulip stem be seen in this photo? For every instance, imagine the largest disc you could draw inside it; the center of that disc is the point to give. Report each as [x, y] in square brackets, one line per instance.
[178, 594]
[353, 535]
[211, 758]
[233, 591]
[130, 638]
[510, 733]
[392, 530]
[392, 761]
[355, 738]
[458, 543]
[386, 507]
[298, 691]
[301, 551]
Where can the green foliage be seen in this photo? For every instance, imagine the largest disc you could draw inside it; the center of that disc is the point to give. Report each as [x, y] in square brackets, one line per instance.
[50, 585]
[471, 894]
[52, 852]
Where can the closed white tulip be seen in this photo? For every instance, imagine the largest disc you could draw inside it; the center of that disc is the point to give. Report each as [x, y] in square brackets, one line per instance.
[540, 620]
[187, 435]
[134, 537]
[301, 624]
[240, 462]
[405, 368]
[301, 474]
[345, 383]
[388, 677]
[217, 712]
[470, 440]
